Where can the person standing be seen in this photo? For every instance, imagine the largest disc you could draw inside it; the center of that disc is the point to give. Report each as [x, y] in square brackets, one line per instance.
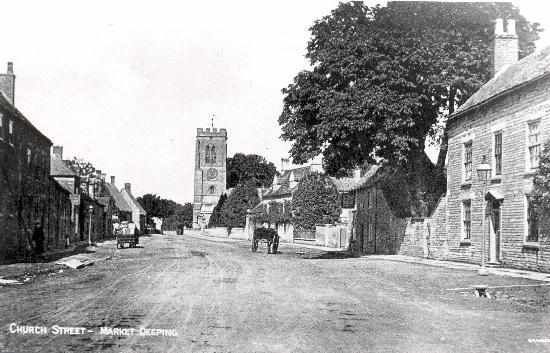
[38, 238]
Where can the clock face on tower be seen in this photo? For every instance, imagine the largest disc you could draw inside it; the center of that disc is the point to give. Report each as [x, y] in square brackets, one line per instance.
[212, 174]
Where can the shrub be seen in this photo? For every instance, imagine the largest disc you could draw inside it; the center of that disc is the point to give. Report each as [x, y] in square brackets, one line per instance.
[315, 201]
[233, 211]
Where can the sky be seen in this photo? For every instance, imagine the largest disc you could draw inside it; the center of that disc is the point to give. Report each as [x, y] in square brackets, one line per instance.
[125, 84]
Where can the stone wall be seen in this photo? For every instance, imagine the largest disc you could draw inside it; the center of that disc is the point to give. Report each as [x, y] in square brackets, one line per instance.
[333, 236]
[509, 115]
[24, 184]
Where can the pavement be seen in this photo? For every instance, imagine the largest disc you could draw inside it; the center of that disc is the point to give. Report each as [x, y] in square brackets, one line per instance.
[26, 270]
[190, 294]
[497, 271]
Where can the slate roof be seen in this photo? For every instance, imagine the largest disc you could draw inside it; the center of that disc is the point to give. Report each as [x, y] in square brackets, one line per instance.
[530, 68]
[284, 181]
[7, 105]
[60, 186]
[133, 199]
[119, 200]
[58, 167]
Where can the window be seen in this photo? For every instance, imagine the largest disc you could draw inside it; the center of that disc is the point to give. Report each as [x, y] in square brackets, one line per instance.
[466, 219]
[468, 161]
[10, 133]
[498, 154]
[533, 143]
[213, 154]
[532, 222]
[368, 230]
[210, 154]
[212, 190]
[29, 155]
[1, 127]
[347, 199]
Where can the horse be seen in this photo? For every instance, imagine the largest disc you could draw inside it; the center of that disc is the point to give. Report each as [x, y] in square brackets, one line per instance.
[268, 234]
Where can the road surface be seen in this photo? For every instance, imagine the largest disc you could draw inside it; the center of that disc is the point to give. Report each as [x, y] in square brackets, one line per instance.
[198, 295]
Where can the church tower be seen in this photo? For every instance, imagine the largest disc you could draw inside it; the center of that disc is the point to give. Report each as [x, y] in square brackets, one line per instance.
[210, 173]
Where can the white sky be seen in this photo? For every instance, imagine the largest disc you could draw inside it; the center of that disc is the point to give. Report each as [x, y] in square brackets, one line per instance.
[125, 84]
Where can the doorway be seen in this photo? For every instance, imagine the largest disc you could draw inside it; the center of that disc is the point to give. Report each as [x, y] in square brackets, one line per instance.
[495, 227]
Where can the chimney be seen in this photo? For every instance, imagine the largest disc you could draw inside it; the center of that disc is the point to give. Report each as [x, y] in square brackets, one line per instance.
[103, 176]
[7, 83]
[357, 174]
[505, 45]
[113, 180]
[58, 151]
[284, 164]
[128, 187]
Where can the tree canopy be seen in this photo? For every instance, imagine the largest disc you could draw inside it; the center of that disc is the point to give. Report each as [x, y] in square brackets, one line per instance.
[182, 216]
[234, 210]
[315, 201]
[244, 167]
[214, 220]
[155, 206]
[384, 79]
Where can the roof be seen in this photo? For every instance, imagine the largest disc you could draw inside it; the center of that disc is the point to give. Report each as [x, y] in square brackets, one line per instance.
[119, 200]
[528, 69]
[284, 181]
[120, 203]
[103, 200]
[7, 104]
[60, 186]
[368, 177]
[59, 168]
[134, 201]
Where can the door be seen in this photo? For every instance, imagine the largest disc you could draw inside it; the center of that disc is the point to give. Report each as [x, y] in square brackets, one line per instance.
[494, 232]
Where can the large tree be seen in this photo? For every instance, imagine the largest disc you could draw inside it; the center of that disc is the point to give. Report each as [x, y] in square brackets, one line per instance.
[244, 167]
[384, 79]
[182, 216]
[234, 210]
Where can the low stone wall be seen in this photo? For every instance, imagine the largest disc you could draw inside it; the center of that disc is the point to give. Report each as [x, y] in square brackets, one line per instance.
[221, 232]
[334, 236]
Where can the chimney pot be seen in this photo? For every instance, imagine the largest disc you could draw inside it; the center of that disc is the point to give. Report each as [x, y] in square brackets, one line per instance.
[58, 151]
[128, 187]
[7, 83]
[499, 26]
[505, 46]
[284, 164]
[113, 180]
[103, 176]
[511, 26]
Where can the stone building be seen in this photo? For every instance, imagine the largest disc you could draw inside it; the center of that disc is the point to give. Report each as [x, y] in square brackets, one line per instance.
[59, 223]
[507, 121]
[210, 173]
[70, 181]
[138, 213]
[121, 210]
[24, 175]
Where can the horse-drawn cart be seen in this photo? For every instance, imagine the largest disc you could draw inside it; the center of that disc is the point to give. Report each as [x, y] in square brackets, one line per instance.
[268, 235]
[126, 235]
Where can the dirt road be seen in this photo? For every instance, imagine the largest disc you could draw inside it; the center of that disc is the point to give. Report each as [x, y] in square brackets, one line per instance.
[196, 295]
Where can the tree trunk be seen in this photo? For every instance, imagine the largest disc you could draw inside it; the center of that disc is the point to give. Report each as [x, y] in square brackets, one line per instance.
[444, 146]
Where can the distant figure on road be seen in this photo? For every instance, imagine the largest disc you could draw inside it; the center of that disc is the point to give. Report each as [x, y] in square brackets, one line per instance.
[38, 238]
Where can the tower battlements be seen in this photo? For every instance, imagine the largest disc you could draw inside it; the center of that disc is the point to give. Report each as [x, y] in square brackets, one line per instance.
[211, 132]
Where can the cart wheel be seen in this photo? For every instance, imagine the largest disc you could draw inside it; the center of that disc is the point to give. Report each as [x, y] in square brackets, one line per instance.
[254, 245]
